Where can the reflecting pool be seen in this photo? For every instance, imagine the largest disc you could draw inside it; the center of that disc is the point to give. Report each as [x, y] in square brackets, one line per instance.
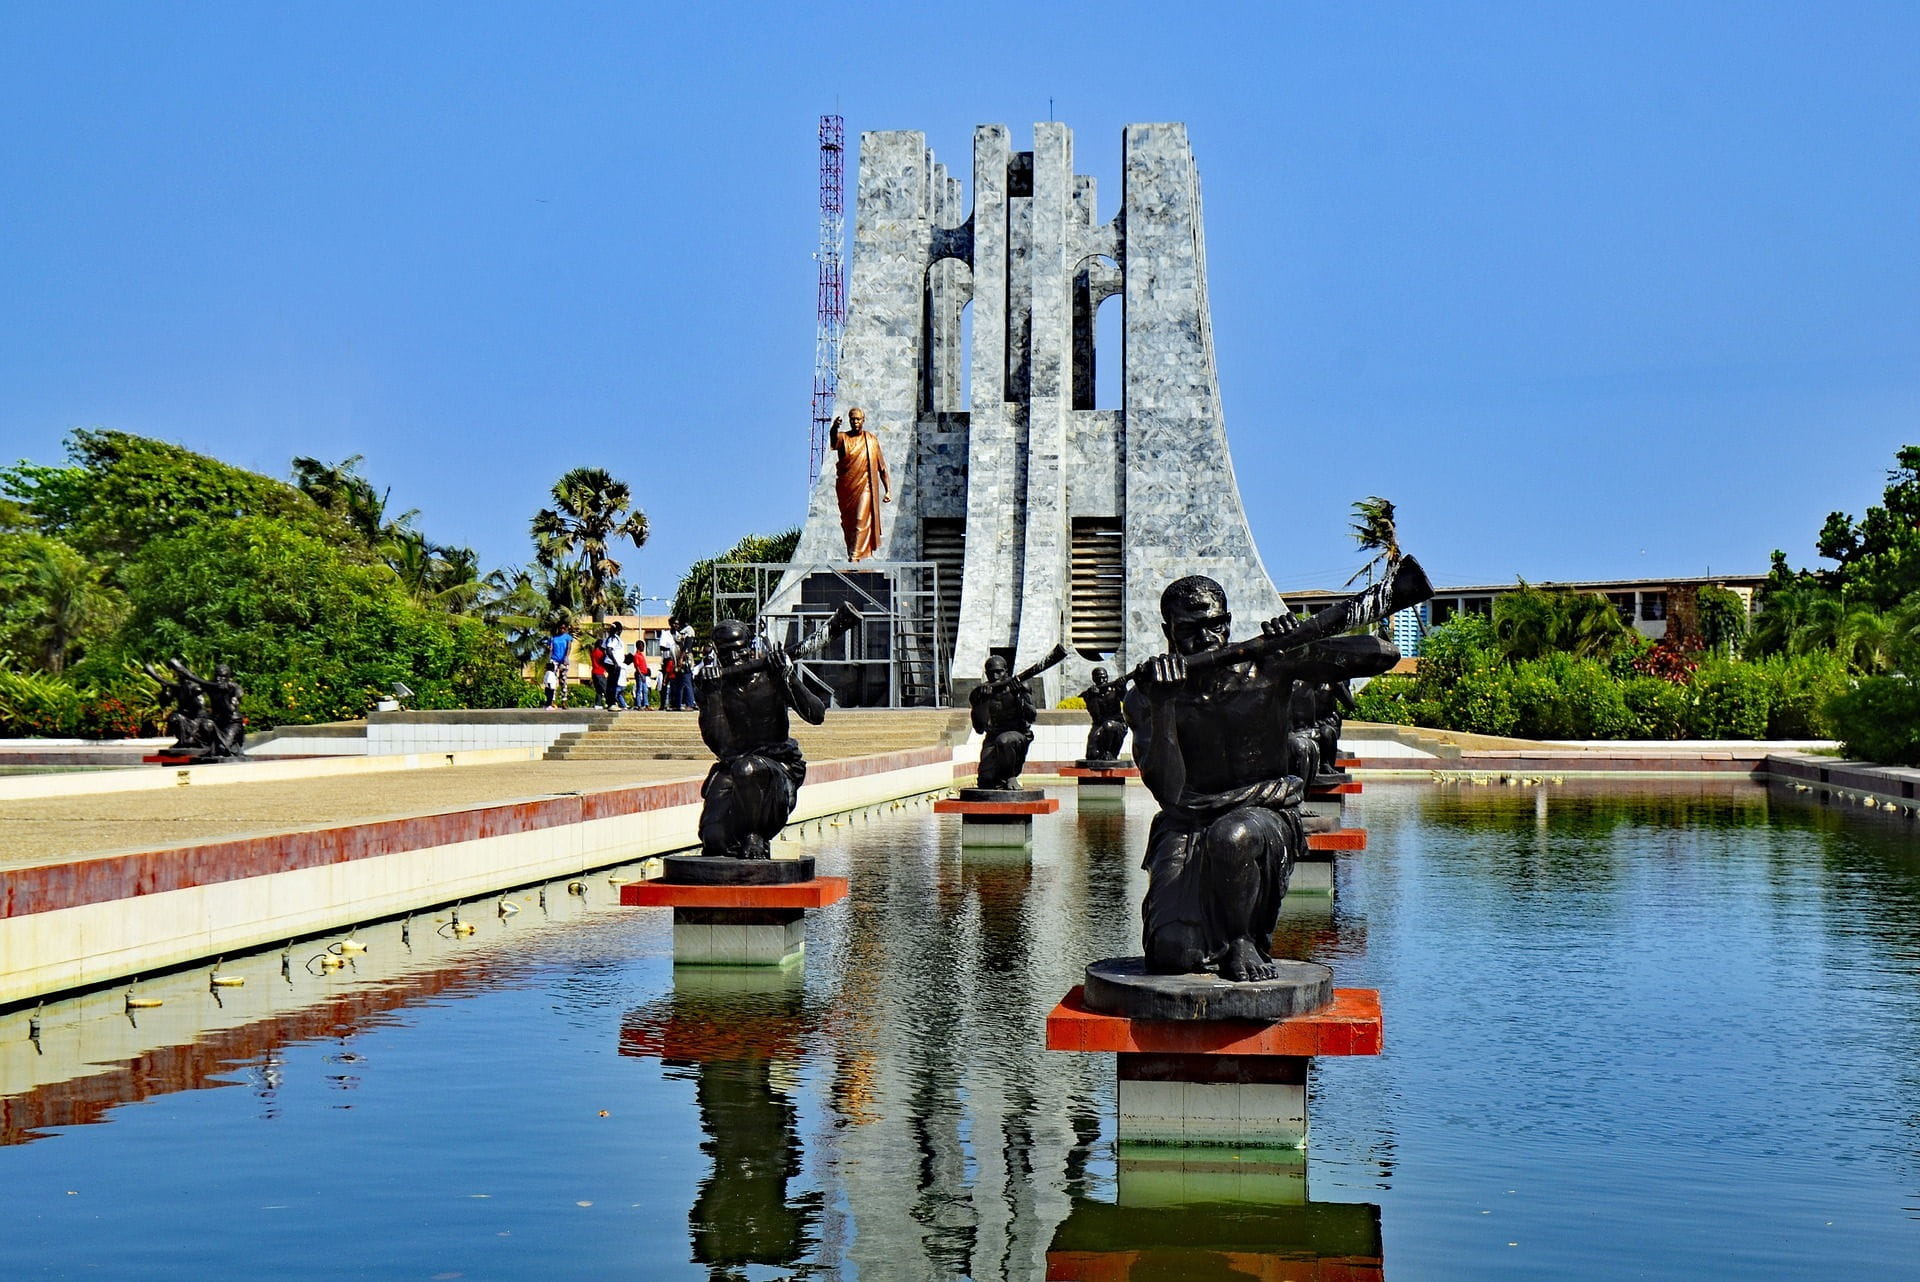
[1667, 1030]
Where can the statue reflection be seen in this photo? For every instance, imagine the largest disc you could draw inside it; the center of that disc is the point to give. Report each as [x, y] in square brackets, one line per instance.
[737, 1033]
[1192, 1241]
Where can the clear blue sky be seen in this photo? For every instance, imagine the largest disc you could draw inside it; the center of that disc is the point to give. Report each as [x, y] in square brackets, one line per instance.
[1601, 290]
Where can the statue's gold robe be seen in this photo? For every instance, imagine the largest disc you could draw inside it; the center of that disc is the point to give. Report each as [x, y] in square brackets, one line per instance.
[860, 476]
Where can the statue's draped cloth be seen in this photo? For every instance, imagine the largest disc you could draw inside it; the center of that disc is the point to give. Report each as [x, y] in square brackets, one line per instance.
[857, 484]
[751, 793]
[1183, 890]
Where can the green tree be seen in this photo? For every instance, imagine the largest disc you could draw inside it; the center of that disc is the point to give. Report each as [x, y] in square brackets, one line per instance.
[1532, 623]
[53, 601]
[1723, 619]
[590, 511]
[693, 599]
[121, 491]
[312, 634]
[1877, 557]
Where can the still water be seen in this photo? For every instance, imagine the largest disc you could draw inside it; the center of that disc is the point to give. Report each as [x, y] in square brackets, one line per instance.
[1666, 1032]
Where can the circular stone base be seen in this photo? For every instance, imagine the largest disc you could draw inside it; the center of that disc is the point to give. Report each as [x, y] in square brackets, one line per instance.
[1123, 986]
[1330, 779]
[1002, 794]
[1115, 763]
[1317, 822]
[715, 870]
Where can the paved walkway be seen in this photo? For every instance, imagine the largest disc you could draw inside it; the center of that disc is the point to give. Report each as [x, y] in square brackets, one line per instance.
[64, 829]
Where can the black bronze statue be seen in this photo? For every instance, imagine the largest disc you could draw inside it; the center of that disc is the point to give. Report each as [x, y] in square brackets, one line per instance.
[744, 699]
[206, 723]
[1318, 712]
[1210, 724]
[1003, 714]
[1105, 699]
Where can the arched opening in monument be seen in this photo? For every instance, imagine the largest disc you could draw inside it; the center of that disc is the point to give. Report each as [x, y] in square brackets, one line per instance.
[1097, 359]
[1109, 346]
[944, 334]
[966, 356]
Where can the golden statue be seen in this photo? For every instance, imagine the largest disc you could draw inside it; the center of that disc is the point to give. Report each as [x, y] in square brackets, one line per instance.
[861, 473]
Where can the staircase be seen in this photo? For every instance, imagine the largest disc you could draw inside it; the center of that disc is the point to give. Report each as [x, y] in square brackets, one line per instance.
[848, 732]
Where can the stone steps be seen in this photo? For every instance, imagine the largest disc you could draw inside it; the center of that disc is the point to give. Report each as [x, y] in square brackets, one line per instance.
[669, 736]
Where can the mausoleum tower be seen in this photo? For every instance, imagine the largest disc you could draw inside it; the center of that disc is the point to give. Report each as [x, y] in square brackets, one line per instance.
[1061, 522]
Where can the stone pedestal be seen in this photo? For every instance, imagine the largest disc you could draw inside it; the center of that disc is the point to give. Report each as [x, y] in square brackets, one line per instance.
[1101, 783]
[1206, 1062]
[733, 916]
[997, 817]
[1313, 872]
[1327, 790]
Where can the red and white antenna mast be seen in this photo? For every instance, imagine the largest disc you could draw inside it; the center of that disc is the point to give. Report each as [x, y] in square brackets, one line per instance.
[831, 314]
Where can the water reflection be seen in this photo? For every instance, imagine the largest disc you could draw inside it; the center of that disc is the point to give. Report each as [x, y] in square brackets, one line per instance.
[1113, 1242]
[740, 1035]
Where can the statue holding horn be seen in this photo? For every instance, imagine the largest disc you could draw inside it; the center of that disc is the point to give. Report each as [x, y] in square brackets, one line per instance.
[1211, 724]
[1003, 714]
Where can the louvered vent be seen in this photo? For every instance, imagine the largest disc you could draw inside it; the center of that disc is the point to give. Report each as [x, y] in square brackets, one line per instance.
[1098, 578]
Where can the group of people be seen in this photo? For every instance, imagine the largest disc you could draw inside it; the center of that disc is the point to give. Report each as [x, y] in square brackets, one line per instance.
[614, 665]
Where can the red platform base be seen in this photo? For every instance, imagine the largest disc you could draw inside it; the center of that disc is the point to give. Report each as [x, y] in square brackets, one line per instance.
[1337, 790]
[167, 759]
[1338, 839]
[1352, 1025]
[996, 809]
[1119, 774]
[817, 893]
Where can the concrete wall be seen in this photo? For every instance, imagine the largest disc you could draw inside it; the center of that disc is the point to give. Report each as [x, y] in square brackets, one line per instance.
[75, 924]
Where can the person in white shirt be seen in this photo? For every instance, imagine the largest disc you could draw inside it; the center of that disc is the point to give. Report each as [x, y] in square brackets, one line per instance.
[617, 668]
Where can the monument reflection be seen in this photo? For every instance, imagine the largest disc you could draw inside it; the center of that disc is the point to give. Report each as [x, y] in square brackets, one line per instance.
[739, 1034]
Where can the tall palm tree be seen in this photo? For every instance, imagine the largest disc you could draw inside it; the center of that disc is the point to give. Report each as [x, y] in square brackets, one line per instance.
[1374, 530]
[1784, 611]
[589, 512]
[341, 490]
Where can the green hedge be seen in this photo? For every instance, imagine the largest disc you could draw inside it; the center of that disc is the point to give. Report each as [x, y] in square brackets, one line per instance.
[1879, 720]
[1464, 685]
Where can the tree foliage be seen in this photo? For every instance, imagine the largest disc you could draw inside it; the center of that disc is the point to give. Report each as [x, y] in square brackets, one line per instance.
[576, 535]
[1532, 623]
[693, 599]
[119, 492]
[311, 634]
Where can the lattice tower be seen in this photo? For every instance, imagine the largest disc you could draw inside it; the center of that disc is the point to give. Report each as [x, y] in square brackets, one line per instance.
[831, 313]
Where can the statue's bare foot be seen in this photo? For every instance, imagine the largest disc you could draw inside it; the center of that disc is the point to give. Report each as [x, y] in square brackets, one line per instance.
[1243, 963]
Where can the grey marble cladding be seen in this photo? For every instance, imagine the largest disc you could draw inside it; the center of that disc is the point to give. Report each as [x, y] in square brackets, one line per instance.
[1028, 454]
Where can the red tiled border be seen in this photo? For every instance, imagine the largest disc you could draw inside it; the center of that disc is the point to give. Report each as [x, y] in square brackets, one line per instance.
[43, 888]
[1338, 839]
[1352, 1025]
[655, 893]
[953, 806]
[1085, 772]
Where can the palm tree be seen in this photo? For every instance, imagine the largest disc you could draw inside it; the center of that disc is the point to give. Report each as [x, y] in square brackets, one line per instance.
[1374, 530]
[75, 601]
[341, 490]
[1784, 611]
[589, 513]
[1867, 640]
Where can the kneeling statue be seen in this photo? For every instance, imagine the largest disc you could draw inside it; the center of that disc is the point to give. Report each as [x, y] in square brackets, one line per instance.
[743, 700]
[1211, 725]
[1104, 699]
